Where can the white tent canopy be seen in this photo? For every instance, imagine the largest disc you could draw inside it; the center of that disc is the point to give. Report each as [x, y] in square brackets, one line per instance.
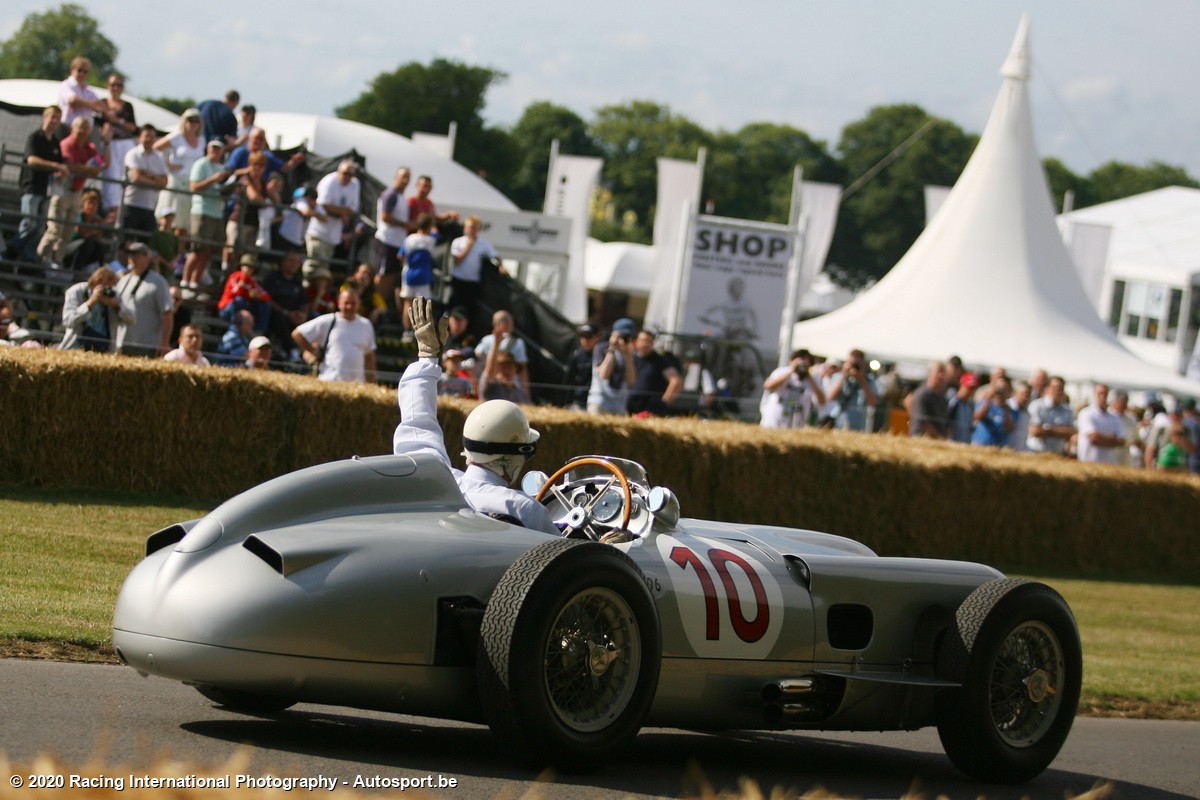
[453, 184]
[30, 92]
[619, 267]
[990, 278]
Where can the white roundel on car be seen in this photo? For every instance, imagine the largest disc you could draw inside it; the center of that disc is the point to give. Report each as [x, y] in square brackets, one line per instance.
[729, 603]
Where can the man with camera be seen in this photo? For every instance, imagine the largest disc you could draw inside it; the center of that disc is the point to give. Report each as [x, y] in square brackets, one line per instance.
[789, 393]
[854, 391]
[613, 374]
[91, 312]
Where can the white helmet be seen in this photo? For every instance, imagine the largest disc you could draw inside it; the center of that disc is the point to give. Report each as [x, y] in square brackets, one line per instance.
[497, 436]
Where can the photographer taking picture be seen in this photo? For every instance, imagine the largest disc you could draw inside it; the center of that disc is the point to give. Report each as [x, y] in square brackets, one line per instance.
[789, 393]
[613, 374]
[91, 311]
[854, 391]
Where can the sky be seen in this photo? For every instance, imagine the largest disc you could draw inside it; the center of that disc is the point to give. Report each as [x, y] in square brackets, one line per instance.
[1111, 80]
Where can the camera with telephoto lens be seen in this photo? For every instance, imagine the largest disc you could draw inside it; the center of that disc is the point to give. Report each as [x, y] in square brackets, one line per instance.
[109, 292]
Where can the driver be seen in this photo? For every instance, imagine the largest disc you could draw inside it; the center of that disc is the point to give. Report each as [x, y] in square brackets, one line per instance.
[497, 438]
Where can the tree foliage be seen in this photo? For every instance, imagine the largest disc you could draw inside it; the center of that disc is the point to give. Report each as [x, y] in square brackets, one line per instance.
[884, 214]
[541, 123]
[749, 173]
[631, 137]
[1115, 180]
[45, 44]
[428, 97]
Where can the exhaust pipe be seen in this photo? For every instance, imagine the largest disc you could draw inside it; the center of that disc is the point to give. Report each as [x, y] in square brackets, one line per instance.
[787, 691]
[790, 700]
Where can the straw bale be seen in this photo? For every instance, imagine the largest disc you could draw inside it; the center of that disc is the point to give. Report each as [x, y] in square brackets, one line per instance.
[78, 419]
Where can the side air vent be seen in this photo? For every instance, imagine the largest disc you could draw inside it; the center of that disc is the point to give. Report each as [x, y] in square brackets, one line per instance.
[164, 538]
[265, 552]
[850, 626]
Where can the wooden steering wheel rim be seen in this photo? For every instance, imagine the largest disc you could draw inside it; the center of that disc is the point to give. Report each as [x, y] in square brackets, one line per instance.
[627, 495]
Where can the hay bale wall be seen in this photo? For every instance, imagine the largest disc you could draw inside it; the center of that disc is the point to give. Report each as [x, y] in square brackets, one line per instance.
[77, 419]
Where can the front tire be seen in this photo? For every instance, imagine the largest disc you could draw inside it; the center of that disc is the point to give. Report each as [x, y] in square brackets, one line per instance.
[1016, 651]
[569, 653]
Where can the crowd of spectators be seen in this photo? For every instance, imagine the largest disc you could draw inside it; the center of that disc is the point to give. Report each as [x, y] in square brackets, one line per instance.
[992, 410]
[208, 217]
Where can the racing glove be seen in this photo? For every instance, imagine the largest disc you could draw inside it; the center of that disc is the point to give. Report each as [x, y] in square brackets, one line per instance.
[430, 331]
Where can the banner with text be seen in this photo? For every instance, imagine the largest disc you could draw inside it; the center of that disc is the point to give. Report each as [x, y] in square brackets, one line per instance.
[736, 288]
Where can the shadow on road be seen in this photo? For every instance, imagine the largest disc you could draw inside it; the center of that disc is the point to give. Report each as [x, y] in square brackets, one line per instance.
[661, 762]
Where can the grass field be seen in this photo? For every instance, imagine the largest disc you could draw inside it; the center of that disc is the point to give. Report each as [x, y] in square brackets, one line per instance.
[63, 555]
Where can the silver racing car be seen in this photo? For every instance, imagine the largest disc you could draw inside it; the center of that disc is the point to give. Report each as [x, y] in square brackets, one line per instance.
[369, 583]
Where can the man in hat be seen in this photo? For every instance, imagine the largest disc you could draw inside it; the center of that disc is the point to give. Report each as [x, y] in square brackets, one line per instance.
[242, 292]
[579, 366]
[459, 322]
[149, 296]
[612, 370]
[259, 354]
[207, 224]
[289, 300]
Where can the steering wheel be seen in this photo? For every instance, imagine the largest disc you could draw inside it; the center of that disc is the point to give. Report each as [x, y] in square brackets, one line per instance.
[583, 517]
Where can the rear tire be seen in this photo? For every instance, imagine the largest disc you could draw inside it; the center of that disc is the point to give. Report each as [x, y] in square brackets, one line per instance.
[1016, 652]
[248, 702]
[569, 654]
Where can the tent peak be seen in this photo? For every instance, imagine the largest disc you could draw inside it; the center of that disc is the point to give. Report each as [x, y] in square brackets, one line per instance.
[1016, 66]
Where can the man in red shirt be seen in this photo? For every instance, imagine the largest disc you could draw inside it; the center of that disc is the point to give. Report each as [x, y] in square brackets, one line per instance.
[420, 203]
[83, 161]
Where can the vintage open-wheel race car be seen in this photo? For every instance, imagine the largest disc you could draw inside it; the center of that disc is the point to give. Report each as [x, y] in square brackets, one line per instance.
[370, 583]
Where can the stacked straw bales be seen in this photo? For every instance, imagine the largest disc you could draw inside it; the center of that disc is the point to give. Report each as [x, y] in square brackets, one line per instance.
[77, 419]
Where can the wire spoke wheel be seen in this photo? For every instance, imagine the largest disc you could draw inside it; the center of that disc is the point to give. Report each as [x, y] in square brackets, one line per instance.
[1026, 684]
[569, 654]
[1016, 652]
[592, 657]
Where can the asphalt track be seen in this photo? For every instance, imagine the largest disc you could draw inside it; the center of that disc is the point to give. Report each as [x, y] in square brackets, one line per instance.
[79, 711]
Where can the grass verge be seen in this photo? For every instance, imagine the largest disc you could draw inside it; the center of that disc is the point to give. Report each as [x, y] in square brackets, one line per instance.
[64, 554]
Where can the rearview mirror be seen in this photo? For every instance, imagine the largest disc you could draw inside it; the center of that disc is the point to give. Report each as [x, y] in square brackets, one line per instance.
[533, 482]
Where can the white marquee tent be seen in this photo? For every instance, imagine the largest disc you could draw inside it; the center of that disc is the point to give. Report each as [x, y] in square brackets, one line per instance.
[453, 184]
[990, 278]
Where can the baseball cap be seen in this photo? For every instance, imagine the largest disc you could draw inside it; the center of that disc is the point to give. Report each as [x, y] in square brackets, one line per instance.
[458, 312]
[215, 143]
[625, 326]
[248, 260]
[586, 329]
[137, 247]
[259, 342]
[968, 379]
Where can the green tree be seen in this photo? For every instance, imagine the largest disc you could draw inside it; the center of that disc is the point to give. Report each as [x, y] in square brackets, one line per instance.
[540, 124]
[749, 173]
[631, 138]
[1115, 180]
[1063, 180]
[176, 105]
[889, 157]
[428, 97]
[45, 44]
